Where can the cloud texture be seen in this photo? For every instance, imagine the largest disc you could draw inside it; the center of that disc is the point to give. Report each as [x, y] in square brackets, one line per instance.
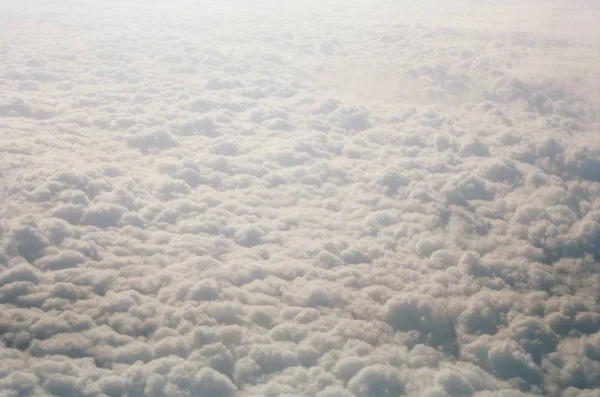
[298, 199]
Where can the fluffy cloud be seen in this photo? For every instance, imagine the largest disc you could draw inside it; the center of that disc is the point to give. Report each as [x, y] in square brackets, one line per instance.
[265, 200]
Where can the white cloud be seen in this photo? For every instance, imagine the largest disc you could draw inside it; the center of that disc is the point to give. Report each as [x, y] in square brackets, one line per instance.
[283, 198]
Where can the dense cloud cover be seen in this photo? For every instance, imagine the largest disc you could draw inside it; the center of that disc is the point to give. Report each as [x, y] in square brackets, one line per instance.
[368, 199]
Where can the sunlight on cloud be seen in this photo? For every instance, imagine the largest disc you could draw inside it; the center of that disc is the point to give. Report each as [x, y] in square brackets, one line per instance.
[308, 198]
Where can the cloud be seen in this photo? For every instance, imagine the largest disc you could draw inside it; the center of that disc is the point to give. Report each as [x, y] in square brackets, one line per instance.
[417, 313]
[299, 199]
[377, 380]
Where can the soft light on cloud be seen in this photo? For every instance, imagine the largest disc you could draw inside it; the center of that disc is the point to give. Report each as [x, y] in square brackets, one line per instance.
[331, 199]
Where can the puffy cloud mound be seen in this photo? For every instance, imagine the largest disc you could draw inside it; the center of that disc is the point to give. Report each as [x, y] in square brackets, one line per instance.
[326, 199]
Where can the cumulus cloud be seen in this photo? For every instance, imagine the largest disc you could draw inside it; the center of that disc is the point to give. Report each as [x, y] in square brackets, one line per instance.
[304, 199]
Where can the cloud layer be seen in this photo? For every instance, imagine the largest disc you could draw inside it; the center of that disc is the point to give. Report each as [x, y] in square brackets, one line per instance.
[299, 199]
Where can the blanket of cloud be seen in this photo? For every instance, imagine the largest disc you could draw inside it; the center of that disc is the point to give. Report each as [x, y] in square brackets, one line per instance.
[256, 198]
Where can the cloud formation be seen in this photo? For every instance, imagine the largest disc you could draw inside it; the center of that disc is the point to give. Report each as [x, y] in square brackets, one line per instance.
[307, 199]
